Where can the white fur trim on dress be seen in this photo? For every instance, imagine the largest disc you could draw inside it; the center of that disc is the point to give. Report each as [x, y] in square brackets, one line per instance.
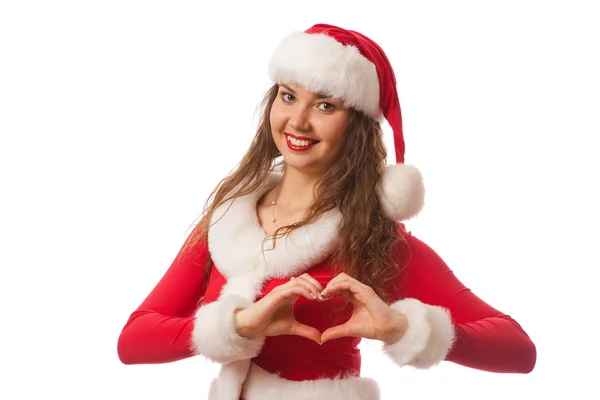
[262, 385]
[237, 244]
[429, 336]
[228, 384]
[440, 341]
[214, 334]
[401, 191]
[321, 64]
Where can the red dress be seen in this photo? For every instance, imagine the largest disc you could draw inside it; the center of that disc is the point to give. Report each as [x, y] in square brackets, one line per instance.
[179, 319]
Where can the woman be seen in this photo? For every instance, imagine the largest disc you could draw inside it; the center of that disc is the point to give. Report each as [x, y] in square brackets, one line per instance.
[301, 251]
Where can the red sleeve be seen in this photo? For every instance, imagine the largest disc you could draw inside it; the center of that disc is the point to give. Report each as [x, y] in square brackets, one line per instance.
[486, 339]
[159, 331]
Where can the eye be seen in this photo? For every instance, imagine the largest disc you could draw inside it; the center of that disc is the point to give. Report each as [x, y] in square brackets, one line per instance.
[327, 107]
[287, 97]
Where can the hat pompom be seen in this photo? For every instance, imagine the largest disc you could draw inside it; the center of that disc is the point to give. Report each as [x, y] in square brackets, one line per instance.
[401, 191]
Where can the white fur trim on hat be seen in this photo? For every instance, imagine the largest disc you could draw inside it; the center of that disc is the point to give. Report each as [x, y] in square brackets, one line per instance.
[214, 334]
[320, 63]
[429, 336]
[401, 191]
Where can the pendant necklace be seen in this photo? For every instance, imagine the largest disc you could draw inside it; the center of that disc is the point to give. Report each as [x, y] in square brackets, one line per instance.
[273, 218]
[274, 203]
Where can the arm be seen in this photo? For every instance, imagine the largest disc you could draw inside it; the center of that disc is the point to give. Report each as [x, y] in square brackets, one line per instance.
[461, 327]
[159, 331]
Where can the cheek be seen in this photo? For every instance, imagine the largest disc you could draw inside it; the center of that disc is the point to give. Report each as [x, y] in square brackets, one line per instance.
[336, 132]
[272, 120]
[276, 118]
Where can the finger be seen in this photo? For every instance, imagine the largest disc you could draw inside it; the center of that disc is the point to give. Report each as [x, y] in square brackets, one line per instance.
[282, 296]
[318, 288]
[293, 292]
[306, 331]
[343, 277]
[301, 281]
[336, 332]
[359, 292]
[312, 280]
[338, 277]
[336, 283]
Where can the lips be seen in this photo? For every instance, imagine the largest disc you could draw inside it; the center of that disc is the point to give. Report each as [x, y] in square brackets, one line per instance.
[299, 143]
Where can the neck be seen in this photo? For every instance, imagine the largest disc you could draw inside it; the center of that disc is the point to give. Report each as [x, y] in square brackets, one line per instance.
[295, 191]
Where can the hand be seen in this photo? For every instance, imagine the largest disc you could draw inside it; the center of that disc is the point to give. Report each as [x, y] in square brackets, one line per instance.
[372, 317]
[273, 314]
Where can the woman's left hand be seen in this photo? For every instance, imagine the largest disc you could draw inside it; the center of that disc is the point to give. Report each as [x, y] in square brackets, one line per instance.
[372, 317]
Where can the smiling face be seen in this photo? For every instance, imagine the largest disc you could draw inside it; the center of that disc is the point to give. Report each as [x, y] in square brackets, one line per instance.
[308, 128]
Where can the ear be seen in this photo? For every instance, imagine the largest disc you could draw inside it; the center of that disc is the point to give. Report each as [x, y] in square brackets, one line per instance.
[401, 191]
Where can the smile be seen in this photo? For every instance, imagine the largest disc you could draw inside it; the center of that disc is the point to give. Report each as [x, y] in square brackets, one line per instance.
[299, 143]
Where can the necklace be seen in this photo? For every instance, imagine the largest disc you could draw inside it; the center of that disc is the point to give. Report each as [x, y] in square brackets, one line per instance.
[274, 203]
[273, 218]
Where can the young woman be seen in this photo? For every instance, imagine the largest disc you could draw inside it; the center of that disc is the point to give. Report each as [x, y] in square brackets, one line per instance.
[301, 251]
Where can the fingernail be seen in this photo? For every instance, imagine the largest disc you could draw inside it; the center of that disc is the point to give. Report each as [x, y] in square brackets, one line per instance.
[313, 296]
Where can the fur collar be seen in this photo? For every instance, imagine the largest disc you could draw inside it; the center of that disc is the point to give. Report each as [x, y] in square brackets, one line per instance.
[240, 248]
[238, 244]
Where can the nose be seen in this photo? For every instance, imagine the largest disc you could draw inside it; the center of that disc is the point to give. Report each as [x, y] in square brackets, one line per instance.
[300, 118]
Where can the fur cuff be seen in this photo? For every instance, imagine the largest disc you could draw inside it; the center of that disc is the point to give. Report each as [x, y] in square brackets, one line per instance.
[429, 336]
[401, 191]
[214, 334]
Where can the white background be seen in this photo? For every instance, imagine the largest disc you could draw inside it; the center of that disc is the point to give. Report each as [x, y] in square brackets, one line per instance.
[118, 117]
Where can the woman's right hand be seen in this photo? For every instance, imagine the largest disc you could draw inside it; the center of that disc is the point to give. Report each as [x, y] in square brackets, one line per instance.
[273, 314]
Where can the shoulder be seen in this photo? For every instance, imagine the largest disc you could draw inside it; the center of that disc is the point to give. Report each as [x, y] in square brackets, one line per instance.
[418, 264]
[410, 244]
[194, 250]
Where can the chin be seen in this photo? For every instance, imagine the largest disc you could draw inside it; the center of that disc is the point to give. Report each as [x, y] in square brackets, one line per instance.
[300, 165]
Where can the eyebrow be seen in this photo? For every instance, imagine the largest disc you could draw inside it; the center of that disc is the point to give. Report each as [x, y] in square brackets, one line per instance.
[320, 95]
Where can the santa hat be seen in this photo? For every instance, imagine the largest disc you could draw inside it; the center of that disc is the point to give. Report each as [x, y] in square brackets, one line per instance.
[349, 66]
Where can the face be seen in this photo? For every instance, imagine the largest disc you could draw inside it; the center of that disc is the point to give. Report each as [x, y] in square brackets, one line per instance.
[308, 128]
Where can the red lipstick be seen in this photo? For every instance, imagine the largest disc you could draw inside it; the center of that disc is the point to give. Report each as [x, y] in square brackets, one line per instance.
[296, 146]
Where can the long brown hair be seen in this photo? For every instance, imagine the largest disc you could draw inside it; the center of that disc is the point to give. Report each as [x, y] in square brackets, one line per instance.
[367, 238]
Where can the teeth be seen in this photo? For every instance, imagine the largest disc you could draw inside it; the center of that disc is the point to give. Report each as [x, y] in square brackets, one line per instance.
[297, 142]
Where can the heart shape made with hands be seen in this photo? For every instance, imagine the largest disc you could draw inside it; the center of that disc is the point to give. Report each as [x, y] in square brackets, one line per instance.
[371, 317]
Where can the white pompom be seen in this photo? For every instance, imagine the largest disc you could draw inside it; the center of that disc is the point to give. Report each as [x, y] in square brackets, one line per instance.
[401, 191]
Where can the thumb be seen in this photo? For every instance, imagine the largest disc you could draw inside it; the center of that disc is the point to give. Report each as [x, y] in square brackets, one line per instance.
[336, 332]
[306, 331]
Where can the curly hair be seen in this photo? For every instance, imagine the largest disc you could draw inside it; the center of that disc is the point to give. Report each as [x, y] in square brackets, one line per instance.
[367, 239]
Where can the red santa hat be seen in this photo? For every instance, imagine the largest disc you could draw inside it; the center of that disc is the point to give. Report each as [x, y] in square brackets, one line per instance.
[349, 66]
